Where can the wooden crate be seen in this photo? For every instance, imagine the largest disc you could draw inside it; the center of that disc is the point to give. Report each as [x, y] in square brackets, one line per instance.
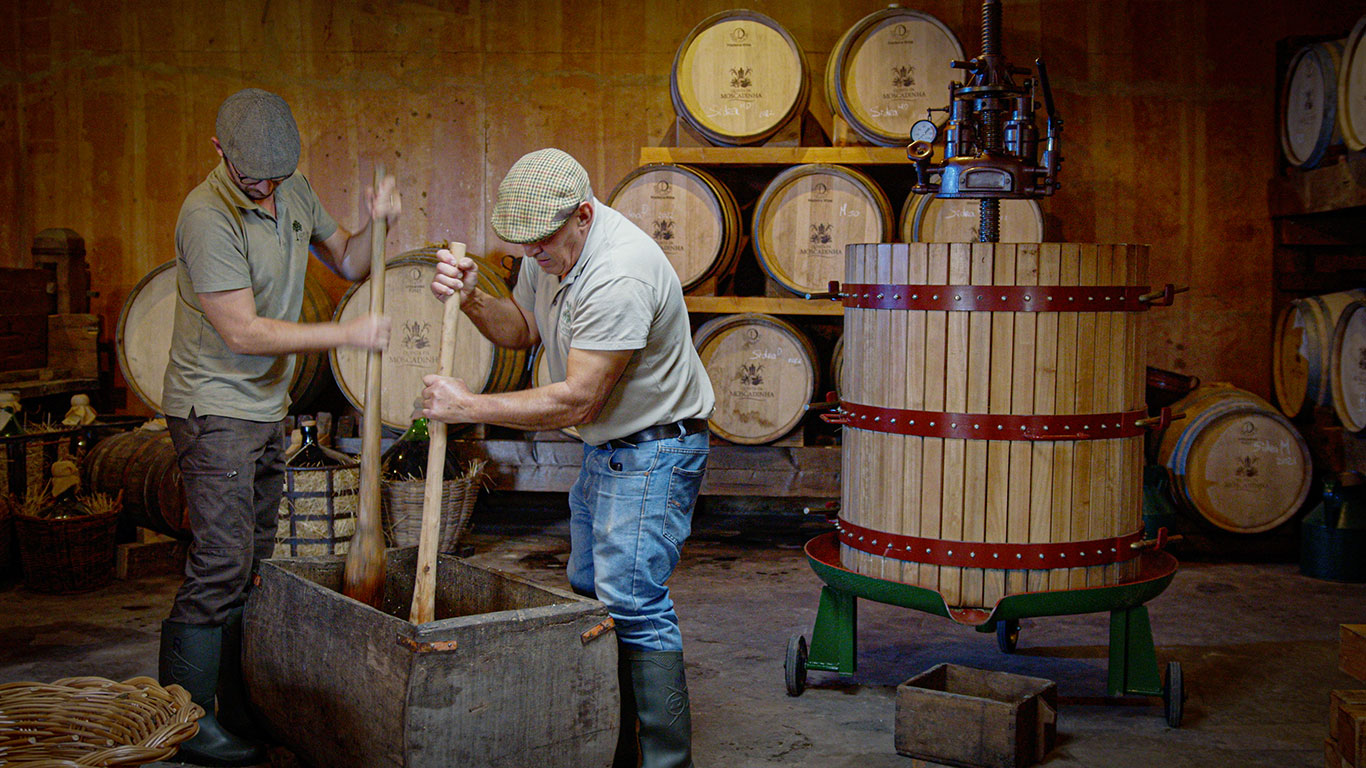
[510, 673]
[1349, 731]
[971, 717]
[1352, 650]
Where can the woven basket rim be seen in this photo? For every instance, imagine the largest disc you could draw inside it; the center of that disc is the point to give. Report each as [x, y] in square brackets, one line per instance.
[143, 721]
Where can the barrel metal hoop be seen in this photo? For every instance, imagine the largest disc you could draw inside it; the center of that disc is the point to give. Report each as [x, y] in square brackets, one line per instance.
[997, 298]
[994, 426]
[994, 555]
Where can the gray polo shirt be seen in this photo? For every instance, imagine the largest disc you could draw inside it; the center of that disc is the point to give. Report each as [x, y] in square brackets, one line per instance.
[622, 293]
[226, 241]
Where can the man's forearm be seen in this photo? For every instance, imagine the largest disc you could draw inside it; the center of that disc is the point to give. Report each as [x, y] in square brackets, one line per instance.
[265, 336]
[355, 262]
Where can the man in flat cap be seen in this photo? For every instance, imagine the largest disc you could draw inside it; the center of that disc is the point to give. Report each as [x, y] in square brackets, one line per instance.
[242, 246]
[607, 308]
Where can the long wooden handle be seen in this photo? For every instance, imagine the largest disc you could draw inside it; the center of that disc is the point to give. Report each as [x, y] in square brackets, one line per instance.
[364, 575]
[424, 584]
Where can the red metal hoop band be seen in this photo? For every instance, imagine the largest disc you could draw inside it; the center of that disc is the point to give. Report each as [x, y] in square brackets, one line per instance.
[994, 426]
[997, 298]
[978, 554]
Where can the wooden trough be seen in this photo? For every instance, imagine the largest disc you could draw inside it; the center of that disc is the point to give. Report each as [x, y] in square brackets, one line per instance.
[510, 673]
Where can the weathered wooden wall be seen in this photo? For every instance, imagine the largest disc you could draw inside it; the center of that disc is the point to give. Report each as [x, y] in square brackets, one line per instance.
[106, 110]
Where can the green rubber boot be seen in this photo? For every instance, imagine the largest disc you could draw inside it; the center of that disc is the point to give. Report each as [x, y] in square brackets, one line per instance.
[190, 656]
[234, 705]
[661, 699]
[628, 747]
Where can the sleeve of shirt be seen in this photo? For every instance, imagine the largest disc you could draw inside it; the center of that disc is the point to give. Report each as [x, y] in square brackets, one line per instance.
[523, 292]
[323, 223]
[615, 315]
[212, 253]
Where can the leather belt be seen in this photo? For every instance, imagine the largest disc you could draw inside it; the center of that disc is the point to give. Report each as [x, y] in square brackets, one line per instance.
[657, 432]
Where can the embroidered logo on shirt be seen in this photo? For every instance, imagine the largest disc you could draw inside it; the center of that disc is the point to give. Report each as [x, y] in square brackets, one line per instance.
[298, 230]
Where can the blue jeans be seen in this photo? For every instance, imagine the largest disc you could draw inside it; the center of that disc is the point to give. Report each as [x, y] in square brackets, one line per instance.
[630, 512]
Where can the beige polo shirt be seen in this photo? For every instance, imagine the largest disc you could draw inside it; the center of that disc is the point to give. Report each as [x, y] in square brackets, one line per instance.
[621, 294]
[226, 241]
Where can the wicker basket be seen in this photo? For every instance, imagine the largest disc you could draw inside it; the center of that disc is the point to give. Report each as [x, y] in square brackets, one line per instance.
[92, 721]
[74, 554]
[401, 505]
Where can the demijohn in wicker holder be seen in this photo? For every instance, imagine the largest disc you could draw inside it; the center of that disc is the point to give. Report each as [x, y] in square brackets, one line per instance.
[78, 722]
[401, 504]
[67, 555]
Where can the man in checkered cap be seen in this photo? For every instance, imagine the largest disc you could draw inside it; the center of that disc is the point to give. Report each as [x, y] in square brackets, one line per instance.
[242, 249]
[607, 308]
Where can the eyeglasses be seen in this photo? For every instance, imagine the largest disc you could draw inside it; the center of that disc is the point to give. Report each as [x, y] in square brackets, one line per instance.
[247, 181]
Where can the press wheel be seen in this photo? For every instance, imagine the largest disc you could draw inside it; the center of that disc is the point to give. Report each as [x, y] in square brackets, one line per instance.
[1174, 695]
[794, 667]
[1007, 635]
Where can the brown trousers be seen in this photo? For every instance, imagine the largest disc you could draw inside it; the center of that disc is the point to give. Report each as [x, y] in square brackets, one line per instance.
[234, 478]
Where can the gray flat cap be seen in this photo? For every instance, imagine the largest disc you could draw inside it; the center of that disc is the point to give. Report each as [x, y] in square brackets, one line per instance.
[257, 133]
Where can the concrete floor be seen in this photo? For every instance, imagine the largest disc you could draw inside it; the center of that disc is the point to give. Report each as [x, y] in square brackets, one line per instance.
[1257, 643]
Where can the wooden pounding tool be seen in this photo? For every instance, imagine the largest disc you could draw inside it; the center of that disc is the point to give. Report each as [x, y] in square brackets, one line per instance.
[364, 575]
[424, 578]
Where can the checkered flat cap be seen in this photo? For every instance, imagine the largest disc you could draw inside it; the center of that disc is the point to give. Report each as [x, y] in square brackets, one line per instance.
[258, 134]
[539, 193]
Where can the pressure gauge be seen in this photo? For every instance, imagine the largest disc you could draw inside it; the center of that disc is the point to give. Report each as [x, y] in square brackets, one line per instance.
[924, 130]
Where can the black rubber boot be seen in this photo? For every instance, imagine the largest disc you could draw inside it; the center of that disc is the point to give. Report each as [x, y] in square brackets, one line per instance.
[234, 705]
[190, 655]
[628, 746]
[661, 698]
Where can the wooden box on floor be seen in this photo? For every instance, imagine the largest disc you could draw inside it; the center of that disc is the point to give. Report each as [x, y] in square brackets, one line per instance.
[1352, 650]
[971, 717]
[509, 674]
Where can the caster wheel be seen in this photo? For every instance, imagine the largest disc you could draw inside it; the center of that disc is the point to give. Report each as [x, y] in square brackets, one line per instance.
[1007, 635]
[794, 667]
[1174, 695]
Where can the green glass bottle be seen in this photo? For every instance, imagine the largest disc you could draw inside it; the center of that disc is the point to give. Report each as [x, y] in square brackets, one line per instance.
[311, 453]
[406, 459]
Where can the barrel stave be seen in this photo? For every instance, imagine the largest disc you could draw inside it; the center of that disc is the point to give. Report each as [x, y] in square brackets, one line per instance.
[1021, 363]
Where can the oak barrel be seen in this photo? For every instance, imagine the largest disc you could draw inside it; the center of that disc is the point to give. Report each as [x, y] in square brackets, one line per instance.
[1302, 346]
[929, 219]
[141, 466]
[986, 432]
[738, 78]
[837, 366]
[763, 370]
[805, 217]
[1347, 366]
[416, 339]
[887, 70]
[143, 338]
[1352, 88]
[1309, 104]
[692, 216]
[1237, 462]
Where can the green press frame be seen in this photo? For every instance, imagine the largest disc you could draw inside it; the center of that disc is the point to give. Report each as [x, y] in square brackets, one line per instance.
[1133, 667]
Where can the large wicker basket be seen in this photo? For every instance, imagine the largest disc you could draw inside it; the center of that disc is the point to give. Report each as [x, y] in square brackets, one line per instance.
[92, 721]
[66, 555]
[401, 504]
